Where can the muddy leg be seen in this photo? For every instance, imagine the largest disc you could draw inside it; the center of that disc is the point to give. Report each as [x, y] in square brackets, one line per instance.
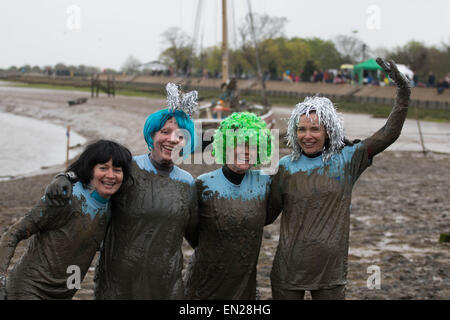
[336, 293]
[281, 294]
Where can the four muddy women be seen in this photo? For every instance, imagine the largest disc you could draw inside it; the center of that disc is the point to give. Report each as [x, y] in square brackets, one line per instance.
[136, 210]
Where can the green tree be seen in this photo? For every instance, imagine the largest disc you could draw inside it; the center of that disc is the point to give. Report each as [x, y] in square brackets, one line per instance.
[308, 70]
[36, 69]
[25, 68]
[422, 59]
[438, 61]
[297, 53]
[60, 66]
[324, 53]
[213, 59]
[414, 54]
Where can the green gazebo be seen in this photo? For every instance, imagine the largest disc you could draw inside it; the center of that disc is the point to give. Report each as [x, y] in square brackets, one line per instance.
[370, 65]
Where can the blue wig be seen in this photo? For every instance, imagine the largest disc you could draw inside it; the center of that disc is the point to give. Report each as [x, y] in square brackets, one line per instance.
[158, 119]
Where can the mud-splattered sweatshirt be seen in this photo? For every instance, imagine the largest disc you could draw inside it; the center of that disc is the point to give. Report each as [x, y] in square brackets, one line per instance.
[231, 222]
[315, 199]
[61, 237]
[141, 257]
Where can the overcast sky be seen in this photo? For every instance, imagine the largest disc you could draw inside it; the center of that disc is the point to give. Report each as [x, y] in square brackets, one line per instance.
[104, 33]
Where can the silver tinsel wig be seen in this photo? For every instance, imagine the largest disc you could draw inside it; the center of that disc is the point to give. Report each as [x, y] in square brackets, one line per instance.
[178, 101]
[327, 115]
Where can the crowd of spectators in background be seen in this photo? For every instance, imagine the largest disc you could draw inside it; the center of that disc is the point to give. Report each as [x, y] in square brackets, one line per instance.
[331, 76]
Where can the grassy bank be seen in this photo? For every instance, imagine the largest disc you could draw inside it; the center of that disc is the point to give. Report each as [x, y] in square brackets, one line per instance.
[376, 110]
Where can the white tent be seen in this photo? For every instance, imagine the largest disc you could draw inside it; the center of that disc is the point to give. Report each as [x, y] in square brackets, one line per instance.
[154, 66]
[406, 71]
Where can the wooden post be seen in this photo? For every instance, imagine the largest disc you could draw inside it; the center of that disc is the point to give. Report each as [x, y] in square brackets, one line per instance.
[224, 42]
[258, 62]
[97, 85]
[92, 85]
[108, 85]
[68, 146]
[420, 132]
[114, 85]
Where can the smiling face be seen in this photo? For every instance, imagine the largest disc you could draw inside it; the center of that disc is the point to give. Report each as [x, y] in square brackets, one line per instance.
[165, 140]
[243, 161]
[106, 178]
[310, 135]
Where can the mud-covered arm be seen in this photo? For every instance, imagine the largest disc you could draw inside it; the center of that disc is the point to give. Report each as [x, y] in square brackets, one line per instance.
[384, 137]
[275, 200]
[191, 233]
[35, 220]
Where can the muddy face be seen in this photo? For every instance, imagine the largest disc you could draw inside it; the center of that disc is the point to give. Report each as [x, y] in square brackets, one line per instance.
[310, 135]
[244, 158]
[106, 178]
[166, 140]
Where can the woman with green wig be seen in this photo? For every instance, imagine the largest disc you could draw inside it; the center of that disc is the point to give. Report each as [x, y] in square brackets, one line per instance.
[232, 212]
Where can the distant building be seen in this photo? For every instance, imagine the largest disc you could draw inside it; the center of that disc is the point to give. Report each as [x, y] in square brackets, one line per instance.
[154, 68]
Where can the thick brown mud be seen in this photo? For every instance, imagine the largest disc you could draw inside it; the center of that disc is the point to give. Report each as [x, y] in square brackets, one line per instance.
[400, 205]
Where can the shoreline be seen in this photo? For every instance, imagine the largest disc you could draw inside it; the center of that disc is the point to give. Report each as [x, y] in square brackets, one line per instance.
[29, 132]
[124, 124]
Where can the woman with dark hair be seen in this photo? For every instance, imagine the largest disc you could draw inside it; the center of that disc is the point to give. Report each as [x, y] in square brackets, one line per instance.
[141, 256]
[66, 236]
[313, 188]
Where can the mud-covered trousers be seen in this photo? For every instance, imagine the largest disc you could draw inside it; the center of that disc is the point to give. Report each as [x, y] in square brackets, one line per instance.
[335, 293]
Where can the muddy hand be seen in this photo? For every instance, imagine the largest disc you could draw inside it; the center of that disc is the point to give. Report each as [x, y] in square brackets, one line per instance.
[391, 69]
[58, 192]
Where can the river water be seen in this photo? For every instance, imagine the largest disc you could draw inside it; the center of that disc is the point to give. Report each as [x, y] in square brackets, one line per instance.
[29, 145]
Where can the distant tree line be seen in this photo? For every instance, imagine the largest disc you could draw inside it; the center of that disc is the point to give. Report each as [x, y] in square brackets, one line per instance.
[59, 69]
[277, 53]
[299, 55]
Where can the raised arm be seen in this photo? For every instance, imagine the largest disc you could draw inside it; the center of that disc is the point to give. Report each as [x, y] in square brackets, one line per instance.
[384, 137]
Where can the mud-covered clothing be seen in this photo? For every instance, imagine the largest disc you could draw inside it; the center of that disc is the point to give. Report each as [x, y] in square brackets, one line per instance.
[233, 177]
[315, 198]
[62, 237]
[335, 293]
[231, 223]
[141, 257]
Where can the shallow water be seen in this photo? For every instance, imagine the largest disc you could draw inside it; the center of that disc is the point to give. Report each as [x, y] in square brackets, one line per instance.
[29, 145]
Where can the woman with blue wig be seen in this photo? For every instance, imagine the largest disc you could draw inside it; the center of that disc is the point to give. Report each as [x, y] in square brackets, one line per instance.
[141, 256]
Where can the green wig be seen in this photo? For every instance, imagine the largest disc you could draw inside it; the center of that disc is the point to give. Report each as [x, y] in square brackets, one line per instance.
[240, 128]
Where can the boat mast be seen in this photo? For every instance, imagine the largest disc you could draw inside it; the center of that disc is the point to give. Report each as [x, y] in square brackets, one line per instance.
[258, 63]
[224, 42]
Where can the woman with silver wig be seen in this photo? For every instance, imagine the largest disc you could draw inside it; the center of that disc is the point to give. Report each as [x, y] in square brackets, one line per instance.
[313, 188]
